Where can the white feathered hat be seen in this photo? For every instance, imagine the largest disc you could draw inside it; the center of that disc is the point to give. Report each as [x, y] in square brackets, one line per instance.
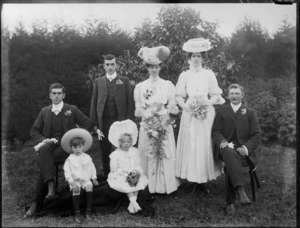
[197, 45]
[118, 128]
[154, 55]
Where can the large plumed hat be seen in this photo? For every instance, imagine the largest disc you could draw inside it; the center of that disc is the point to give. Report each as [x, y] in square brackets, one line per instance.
[119, 128]
[197, 45]
[154, 55]
[76, 132]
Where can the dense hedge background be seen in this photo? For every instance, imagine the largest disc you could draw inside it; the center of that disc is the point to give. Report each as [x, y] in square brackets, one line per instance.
[264, 65]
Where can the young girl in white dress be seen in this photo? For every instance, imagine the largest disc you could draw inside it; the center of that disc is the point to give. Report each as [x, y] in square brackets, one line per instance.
[126, 174]
[79, 169]
[194, 156]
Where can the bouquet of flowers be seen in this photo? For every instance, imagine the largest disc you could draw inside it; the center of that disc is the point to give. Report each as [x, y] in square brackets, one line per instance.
[156, 122]
[198, 106]
[133, 178]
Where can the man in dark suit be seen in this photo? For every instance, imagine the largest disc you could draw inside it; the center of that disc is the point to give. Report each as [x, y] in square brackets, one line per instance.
[236, 134]
[112, 100]
[51, 124]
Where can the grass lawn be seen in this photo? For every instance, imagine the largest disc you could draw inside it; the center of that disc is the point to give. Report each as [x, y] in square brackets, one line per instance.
[275, 206]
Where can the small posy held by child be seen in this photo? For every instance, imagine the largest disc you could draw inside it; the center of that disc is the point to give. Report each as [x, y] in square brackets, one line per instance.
[79, 169]
[126, 174]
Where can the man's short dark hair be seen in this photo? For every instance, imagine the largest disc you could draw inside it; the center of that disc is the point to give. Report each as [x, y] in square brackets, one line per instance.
[56, 86]
[109, 57]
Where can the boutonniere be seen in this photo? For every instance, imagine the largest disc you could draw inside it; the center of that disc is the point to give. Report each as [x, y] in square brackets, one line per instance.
[119, 82]
[68, 113]
[243, 111]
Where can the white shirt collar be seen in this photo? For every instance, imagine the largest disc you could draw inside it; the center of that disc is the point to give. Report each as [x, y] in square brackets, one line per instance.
[111, 76]
[235, 107]
[57, 108]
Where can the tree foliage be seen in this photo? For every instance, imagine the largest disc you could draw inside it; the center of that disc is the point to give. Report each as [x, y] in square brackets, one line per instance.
[264, 65]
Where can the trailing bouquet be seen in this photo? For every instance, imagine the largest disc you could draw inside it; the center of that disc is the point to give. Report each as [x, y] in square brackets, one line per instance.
[198, 106]
[133, 178]
[156, 122]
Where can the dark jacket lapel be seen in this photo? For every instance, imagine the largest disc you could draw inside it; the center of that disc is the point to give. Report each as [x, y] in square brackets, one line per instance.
[103, 85]
[65, 117]
[117, 86]
[231, 112]
[48, 122]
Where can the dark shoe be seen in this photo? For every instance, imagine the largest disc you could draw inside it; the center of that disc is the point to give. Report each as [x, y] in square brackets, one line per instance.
[230, 209]
[31, 211]
[88, 214]
[77, 217]
[244, 200]
[204, 187]
[150, 199]
[50, 198]
[190, 188]
[147, 210]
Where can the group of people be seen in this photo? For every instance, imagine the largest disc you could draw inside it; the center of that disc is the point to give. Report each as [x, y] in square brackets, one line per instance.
[231, 133]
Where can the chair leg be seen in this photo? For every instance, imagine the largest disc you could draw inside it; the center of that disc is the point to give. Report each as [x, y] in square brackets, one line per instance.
[256, 179]
[252, 186]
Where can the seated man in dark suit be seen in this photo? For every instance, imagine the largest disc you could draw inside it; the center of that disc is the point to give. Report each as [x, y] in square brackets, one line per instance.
[51, 124]
[236, 133]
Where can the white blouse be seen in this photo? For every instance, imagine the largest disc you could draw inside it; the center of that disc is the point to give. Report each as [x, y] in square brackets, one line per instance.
[149, 92]
[192, 83]
[79, 168]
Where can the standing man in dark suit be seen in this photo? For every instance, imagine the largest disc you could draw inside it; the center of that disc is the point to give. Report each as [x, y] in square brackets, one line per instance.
[112, 100]
[236, 134]
[51, 124]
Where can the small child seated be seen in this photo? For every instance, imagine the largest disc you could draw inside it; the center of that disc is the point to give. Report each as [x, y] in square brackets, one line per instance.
[126, 174]
[79, 169]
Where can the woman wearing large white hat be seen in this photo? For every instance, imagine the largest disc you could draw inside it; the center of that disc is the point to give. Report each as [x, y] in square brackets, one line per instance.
[197, 87]
[156, 147]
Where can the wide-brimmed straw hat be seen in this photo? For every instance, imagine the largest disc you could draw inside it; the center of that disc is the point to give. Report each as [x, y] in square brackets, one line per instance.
[197, 45]
[76, 132]
[154, 55]
[119, 128]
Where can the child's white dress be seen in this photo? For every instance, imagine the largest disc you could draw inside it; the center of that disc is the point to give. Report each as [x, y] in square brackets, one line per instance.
[122, 163]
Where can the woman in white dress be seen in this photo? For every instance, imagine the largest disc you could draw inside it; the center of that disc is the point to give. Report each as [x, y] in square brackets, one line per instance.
[156, 97]
[195, 87]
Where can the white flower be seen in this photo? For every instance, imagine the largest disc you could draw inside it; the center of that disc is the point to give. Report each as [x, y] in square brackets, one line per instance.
[154, 134]
[68, 113]
[243, 111]
[231, 145]
[147, 113]
[119, 82]
[163, 112]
